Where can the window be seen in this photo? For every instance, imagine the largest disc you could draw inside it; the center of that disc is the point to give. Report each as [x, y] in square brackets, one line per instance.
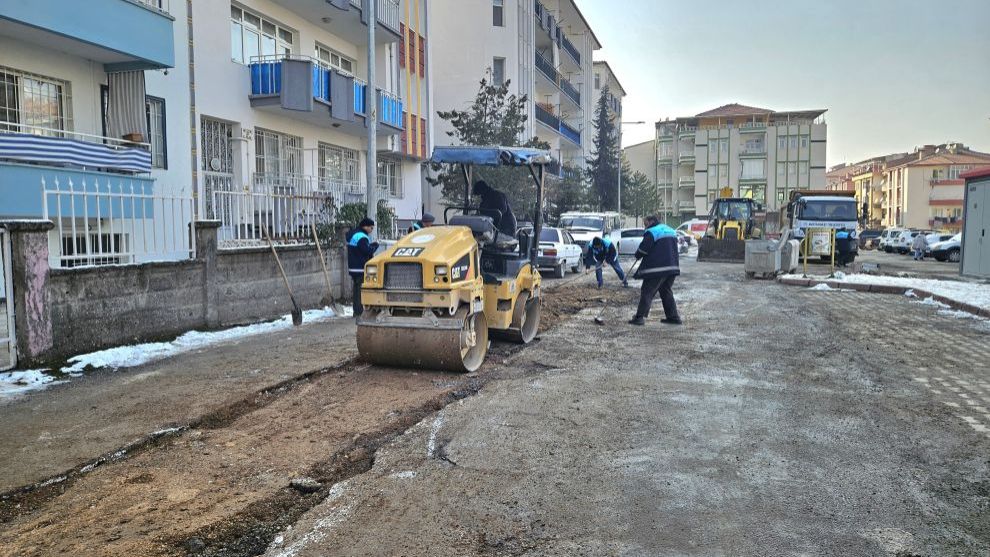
[389, 177]
[277, 155]
[498, 13]
[793, 141]
[723, 175]
[155, 112]
[252, 36]
[422, 138]
[422, 56]
[753, 168]
[338, 167]
[804, 141]
[712, 150]
[803, 168]
[412, 50]
[498, 71]
[723, 146]
[598, 81]
[334, 59]
[782, 142]
[757, 192]
[33, 100]
[792, 169]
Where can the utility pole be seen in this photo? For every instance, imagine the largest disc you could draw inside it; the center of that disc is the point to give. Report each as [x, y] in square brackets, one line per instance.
[371, 115]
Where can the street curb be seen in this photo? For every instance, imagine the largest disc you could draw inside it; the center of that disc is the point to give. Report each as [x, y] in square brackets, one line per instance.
[888, 289]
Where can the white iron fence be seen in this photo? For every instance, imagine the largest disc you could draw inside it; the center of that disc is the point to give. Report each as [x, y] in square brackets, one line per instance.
[284, 206]
[8, 346]
[114, 221]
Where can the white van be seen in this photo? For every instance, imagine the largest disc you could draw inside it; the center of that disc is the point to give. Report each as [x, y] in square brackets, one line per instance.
[584, 226]
[695, 227]
[887, 237]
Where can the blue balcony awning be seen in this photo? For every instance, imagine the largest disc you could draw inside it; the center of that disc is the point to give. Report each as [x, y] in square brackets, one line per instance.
[25, 147]
[491, 156]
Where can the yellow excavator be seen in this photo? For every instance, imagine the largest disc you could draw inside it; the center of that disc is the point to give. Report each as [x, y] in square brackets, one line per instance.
[731, 222]
[433, 299]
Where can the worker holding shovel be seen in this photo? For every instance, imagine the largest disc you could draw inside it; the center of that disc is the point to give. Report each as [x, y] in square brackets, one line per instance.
[360, 249]
[658, 269]
[601, 251]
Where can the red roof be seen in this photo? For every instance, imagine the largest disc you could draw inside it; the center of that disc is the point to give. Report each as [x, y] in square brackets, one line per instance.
[976, 173]
[734, 109]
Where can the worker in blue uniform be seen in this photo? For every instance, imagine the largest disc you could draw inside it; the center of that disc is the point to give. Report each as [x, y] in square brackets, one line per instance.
[601, 251]
[360, 249]
[658, 269]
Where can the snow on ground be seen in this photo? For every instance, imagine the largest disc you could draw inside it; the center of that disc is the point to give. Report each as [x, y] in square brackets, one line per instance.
[13, 383]
[137, 354]
[964, 292]
[18, 382]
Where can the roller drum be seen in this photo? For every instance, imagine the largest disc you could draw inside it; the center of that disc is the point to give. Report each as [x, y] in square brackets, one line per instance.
[447, 349]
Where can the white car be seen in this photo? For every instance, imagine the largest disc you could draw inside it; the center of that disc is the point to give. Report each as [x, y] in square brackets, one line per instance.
[627, 240]
[887, 237]
[558, 252]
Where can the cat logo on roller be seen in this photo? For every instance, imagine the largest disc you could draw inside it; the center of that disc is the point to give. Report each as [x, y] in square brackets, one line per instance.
[432, 300]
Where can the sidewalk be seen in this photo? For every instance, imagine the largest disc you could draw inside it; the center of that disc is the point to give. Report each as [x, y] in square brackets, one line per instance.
[49, 432]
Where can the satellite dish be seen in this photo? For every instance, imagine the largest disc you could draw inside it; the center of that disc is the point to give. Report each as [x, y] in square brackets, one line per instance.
[215, 164]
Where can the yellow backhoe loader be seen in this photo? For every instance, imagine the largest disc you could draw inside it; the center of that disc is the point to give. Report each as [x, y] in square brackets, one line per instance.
[433, 299]
[730, 223]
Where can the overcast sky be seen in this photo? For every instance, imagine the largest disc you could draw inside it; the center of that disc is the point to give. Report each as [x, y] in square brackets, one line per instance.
[893, 74]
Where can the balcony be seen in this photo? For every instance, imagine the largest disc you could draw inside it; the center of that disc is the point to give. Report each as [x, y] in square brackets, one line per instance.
[551, 30]
[552, 121]
[753, 178]
[753, 151]
[120, 34]
[31, 155]
[567, 46]
[350, 22]
[304, 89]
[687, 131]
[665, 157]
[551, 74]
[685, 182]
[686, 157]
[753, 127]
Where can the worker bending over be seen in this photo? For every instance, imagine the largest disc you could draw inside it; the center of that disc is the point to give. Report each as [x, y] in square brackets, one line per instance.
[601, 251]
[360, 249]
[425, 222]
[659, 268]
[495, 204]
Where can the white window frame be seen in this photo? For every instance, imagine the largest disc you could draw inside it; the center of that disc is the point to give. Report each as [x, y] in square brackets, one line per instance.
[495, 63]
[335, 59]
[390, 176]
[156, 131]
[498, 13]
[285, 159]
[28, 85]
[338, 166]
[242, 21]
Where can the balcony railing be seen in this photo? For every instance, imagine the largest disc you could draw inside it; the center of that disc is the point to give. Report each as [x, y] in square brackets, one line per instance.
[569, 48]
[547, 68]
[685, 182]
[757, 150]
[546, 117]
[570, 90]
[38, 145]
[570, 133]
[386, 12]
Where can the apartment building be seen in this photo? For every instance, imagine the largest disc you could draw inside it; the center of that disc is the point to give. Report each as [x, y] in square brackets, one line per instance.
[280, 103]
[758, 153]
[544, 48]
[94, 107]
[923, 189]
[605, 77]
[642, 158]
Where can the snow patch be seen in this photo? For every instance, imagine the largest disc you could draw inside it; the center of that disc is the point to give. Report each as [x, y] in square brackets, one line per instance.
[821, 287]
[138, 354]
[431, 443]
[404, 475]
[974, 294]
[334, 517]
[18, 382]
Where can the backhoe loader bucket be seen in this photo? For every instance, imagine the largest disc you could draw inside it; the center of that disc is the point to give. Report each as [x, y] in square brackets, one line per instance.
[722, 251]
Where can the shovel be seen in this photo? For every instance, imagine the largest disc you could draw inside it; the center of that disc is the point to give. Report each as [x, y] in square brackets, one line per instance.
[328, 300]
[598, 318]
[297, 317]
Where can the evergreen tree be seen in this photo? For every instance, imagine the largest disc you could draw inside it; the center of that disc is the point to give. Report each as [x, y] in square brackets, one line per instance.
[603, 166]
[639, 195]
[496, 117]
[568, 193]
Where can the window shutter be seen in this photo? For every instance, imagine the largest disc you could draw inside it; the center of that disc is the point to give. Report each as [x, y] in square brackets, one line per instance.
[402, 45]
[422, 57]
[412, 50]
[414, 134]
[405, 133]
[422, 137]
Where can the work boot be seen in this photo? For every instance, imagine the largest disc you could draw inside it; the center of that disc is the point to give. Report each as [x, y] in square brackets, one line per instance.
[672, 321]
[637, 320]
[625, 284]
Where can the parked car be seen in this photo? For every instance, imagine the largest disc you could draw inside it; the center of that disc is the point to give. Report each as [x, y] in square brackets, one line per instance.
[558, 252]
[887, 238]
[868, 239]
[903, 242]
[627, 240]
[936, 237]
[695, 227]
[947, 250]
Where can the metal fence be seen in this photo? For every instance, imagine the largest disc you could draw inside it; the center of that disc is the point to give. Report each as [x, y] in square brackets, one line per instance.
[8, 346]
[115, 221]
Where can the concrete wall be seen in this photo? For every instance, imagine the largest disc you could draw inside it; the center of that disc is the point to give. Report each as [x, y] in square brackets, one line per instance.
[63, 312]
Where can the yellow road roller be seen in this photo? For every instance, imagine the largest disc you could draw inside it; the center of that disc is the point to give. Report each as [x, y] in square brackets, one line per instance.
[435, 298]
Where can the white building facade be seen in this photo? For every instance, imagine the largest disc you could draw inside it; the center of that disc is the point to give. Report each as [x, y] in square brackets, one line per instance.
[758, 153]
[279, 105]
[543, 48]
